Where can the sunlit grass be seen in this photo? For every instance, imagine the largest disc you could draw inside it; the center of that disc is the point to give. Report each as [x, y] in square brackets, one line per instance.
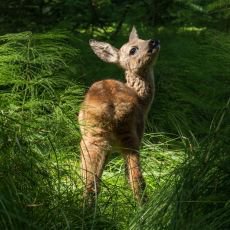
[183, 155]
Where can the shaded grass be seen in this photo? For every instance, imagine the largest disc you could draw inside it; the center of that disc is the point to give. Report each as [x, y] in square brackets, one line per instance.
[184, 152]
[197, 195]
[193, 75]
[47, 189]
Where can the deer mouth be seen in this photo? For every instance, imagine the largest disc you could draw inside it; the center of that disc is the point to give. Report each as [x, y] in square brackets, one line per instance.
[154, 45]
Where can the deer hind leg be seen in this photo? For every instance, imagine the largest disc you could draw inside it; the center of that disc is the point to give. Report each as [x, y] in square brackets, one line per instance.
[136, 179]
[132, 158]
[94, 151]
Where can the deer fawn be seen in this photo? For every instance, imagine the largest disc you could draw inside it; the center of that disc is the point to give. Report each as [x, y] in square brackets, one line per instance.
[113, 113]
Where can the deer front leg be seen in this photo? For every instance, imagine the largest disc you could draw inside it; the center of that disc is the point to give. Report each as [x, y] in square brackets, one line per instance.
[93, 157]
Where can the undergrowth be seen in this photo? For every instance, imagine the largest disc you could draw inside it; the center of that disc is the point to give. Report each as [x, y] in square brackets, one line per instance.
[184, 152]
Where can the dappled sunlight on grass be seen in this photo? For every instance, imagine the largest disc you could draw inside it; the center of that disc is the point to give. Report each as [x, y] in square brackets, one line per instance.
[184, 151]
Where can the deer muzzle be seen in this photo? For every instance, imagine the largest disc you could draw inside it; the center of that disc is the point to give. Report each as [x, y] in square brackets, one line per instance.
[153, 44]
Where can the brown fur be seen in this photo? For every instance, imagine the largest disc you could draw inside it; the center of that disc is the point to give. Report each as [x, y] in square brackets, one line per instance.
[113, 113]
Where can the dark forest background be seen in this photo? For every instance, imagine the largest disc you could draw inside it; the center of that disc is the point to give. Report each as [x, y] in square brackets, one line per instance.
[46, 66]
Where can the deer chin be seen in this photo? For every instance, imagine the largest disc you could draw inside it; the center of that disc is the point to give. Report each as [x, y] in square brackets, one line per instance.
[154, 50]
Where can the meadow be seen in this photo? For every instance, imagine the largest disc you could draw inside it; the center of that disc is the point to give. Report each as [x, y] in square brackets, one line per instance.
[185, 151]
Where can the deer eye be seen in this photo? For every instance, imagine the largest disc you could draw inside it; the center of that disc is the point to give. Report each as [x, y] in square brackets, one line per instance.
[133, 51]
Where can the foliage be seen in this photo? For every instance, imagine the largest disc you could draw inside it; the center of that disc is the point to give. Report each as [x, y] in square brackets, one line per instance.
[197, 196]
[43, 76]
[37, 110]
[90, 14]
[192, 79]
[40, 94]
[220, 14]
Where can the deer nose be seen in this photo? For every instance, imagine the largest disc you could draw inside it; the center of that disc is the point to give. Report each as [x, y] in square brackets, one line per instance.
[154, 43]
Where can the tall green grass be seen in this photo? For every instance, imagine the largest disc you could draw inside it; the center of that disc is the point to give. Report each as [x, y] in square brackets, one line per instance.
[184, 152]
[192, 77]
[196, 196]
[38, 108]
[193, 101]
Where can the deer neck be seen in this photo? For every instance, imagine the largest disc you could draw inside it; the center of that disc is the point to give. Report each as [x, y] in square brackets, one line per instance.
[143, 85]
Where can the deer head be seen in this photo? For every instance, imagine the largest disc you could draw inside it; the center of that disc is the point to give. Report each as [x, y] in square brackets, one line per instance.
[136, 55]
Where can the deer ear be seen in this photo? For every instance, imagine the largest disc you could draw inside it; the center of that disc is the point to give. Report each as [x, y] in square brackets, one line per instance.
[133, 34]
[104, 51]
